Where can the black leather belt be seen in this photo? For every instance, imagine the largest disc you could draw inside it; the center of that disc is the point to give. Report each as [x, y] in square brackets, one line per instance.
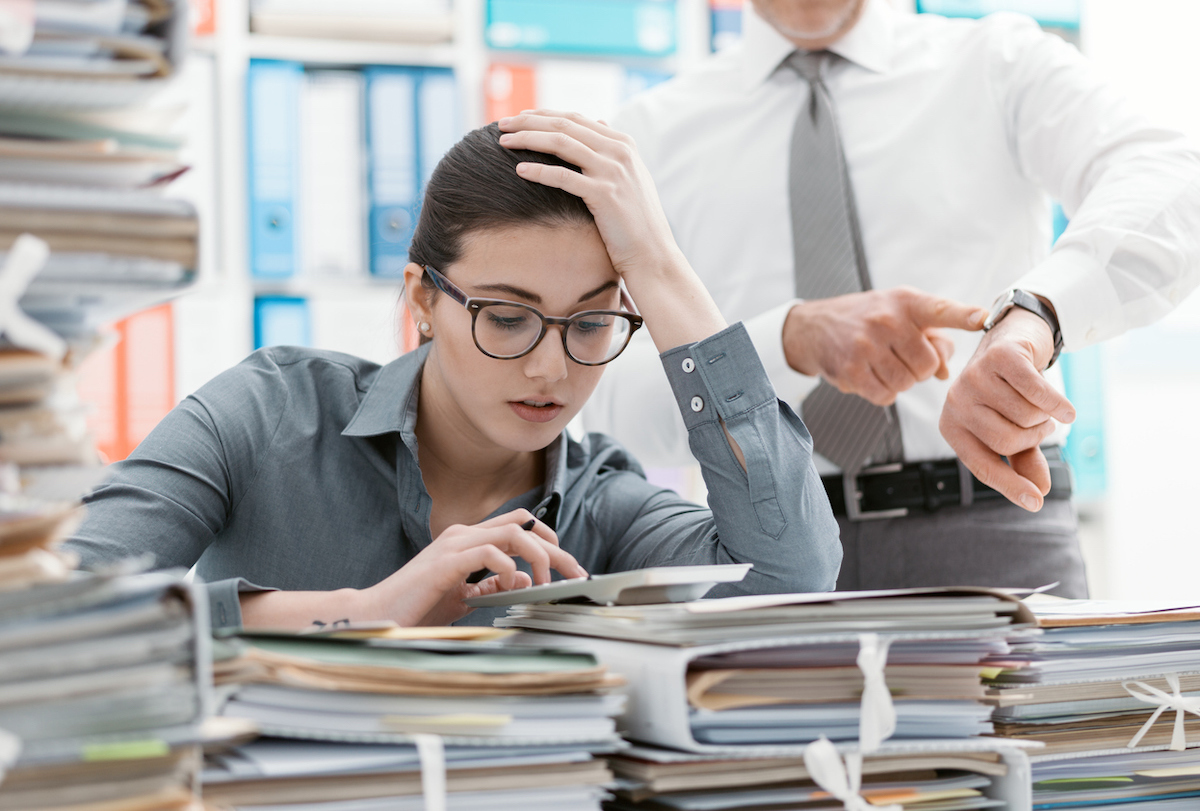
[892, 491]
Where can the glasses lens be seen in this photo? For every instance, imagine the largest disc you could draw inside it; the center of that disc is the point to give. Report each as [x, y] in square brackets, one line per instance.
[506, 329]
[597, 337]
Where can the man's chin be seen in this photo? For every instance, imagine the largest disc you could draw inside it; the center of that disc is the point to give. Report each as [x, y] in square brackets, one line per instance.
[821, 33]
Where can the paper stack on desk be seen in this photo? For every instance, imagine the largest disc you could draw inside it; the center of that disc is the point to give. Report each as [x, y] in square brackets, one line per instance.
[1105, 685]
[104, 691]
[347, 719]
[653, 778]
[727, 696]
[84, 157]
[783, 670]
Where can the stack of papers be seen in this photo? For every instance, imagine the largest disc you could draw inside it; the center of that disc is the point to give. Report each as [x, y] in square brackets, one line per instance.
[42, 421]
[1136, 781]
[105, 684]
[926, 778]
[60, 50]
[777, 672]
[85, 153]
[1111, 689]
[417, 21]
[343, 714]
[1068, 686]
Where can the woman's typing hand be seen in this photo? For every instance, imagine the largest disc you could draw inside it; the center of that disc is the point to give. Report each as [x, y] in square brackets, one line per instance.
[430, 588]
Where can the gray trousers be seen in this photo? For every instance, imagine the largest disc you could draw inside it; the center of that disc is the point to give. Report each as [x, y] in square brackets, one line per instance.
[992, 543]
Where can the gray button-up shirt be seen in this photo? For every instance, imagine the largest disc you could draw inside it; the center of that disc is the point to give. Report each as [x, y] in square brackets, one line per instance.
[297, 469]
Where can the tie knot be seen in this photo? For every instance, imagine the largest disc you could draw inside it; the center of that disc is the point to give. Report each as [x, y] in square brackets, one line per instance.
[809, 64]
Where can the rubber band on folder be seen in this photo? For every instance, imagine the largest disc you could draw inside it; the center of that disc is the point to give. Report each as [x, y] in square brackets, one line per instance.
[877, 713]
[842, 779]
[432, 756]
[1175, 700]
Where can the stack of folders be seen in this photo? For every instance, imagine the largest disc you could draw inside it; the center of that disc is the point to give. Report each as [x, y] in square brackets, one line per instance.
[928, 777]
[1112, 688]
[380, 720]
[419, 21]
[785, 669]
[727, 694]
[104, 691]
[85, 153]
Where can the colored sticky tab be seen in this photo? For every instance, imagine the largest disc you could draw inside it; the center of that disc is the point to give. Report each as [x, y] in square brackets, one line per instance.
[126, 750]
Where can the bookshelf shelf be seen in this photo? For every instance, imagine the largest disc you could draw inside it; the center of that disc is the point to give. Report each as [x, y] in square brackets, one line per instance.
[342, 52]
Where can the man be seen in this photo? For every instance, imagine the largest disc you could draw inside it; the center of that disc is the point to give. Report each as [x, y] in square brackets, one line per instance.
[861, 185]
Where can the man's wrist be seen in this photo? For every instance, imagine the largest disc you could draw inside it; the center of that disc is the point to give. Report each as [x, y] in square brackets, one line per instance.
[1014, 301]
[795, 343]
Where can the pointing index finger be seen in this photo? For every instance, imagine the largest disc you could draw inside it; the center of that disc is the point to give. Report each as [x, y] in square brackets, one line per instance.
[935, 311]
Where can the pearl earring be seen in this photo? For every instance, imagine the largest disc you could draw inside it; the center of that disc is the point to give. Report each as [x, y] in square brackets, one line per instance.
[423, 327]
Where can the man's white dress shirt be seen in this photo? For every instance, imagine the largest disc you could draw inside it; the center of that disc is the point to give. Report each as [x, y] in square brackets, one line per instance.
[957, 133]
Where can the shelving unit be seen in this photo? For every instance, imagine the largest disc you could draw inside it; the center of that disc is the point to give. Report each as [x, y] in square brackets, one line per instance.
[224, 297]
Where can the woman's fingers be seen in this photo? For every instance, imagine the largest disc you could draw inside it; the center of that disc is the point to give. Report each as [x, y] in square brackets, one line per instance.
[520, 518]
[530, 540]
[561, 144]
[488, 556]
[492, 585]
[582, 128]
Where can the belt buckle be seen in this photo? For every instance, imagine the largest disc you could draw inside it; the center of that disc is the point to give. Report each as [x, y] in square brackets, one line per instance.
[853, 495]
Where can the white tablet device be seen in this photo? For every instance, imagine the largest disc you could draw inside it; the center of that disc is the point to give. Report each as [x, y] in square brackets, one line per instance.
[662, 584]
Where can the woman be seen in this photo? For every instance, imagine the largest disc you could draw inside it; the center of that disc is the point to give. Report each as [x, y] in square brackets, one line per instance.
[367, 493]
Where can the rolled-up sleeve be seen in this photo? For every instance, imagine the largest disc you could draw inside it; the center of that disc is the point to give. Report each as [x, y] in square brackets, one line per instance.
[774, 513]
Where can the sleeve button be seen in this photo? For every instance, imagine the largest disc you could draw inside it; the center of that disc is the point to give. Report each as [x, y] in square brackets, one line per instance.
[697, 404]
[689, 365]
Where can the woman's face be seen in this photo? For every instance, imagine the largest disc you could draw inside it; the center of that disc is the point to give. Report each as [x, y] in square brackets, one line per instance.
[524, 403]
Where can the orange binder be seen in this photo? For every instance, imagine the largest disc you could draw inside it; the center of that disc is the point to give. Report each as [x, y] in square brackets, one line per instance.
[510, 89]
[131, 386]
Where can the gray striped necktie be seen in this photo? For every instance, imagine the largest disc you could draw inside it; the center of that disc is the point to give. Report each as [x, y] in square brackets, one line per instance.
[829, 261]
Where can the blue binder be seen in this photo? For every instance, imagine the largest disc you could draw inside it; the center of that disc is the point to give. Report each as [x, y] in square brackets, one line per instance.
[439, 123]
[281, 321]
[611, 27]
[1083, 380]
[394, 173]
[273, 121]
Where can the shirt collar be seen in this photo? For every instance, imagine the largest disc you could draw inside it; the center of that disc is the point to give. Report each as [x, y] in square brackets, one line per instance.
[390, 404]
[869, 44]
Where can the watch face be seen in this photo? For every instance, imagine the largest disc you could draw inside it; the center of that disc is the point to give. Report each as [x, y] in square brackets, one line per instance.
[1002, 305]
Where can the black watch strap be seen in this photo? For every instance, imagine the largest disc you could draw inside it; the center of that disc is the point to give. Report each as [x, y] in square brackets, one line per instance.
[1027, 301]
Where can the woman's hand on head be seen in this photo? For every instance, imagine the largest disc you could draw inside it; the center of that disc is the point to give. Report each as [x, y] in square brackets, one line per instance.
[430, 588]
[618, 190]
[612, 181]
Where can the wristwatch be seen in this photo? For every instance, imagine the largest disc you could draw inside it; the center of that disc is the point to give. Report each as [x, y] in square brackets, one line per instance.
[1030, 302]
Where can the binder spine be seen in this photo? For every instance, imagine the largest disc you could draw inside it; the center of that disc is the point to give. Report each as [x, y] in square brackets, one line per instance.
[281, 321]
[393, 178]
[273, 114]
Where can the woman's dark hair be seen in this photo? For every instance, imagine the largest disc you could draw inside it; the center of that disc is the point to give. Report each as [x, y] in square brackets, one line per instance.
[475, 187]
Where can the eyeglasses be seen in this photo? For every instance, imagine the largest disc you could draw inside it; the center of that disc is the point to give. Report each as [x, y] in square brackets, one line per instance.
[507, 330]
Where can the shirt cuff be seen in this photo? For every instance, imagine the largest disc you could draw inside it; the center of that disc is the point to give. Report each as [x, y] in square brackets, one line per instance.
[766, 331]
[224, 605]
[1084, 300]
[720, 377]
